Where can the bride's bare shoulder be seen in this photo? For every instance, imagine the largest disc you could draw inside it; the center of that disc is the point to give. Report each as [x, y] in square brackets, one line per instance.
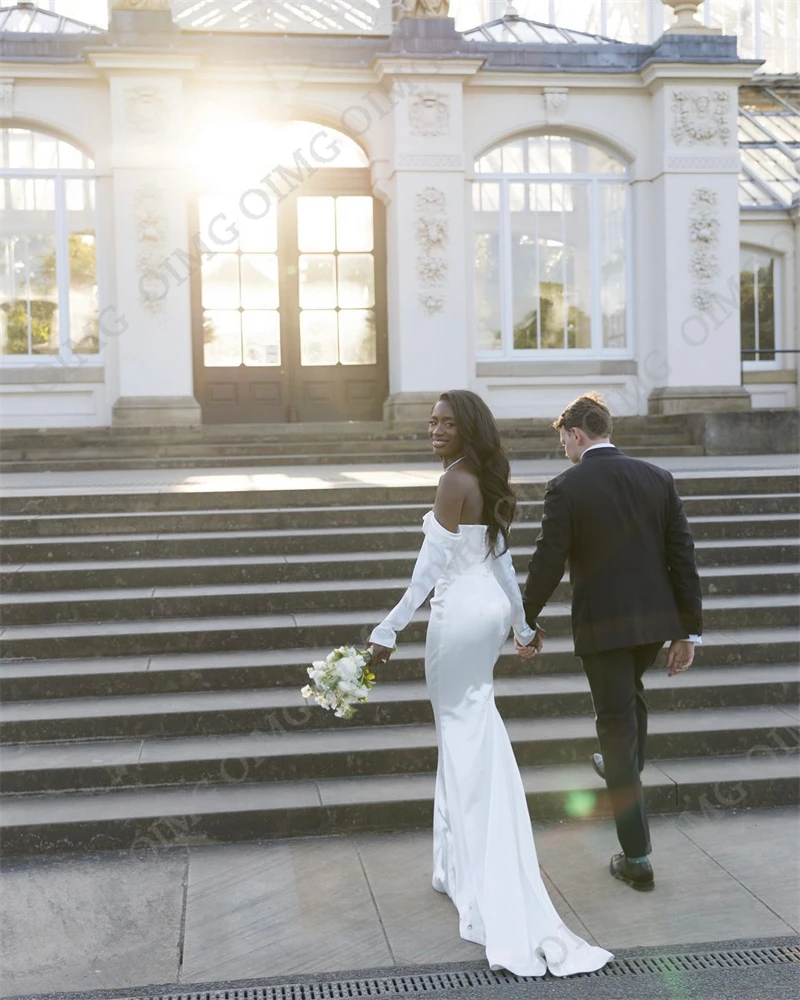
[455, 487]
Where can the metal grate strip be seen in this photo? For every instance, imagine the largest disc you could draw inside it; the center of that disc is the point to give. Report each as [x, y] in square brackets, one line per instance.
[441, 981]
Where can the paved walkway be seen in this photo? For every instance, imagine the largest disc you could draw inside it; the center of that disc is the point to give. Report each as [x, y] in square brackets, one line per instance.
[332, 476]
[287, 908]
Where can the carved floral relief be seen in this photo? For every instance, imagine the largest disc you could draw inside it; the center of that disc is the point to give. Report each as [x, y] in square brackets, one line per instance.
[431, 230]
[152, 229]
[704, 244]
[701, 116]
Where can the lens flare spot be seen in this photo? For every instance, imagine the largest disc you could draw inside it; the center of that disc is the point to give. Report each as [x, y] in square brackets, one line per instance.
[580, 803]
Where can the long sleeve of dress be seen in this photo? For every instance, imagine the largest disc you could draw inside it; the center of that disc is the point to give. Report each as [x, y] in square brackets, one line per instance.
[438, 548]
[503, 569]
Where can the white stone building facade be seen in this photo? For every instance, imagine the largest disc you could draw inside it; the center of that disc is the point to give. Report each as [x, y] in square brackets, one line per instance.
[243, 226]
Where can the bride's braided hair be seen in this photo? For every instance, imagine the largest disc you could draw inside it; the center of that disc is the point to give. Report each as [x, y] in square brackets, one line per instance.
[485, 453]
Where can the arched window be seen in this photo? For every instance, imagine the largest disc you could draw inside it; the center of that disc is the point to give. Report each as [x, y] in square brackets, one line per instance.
[551, 258]
[758, 298]
[48, 261]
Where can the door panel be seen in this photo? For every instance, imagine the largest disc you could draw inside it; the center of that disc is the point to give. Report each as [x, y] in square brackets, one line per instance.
[290, 320]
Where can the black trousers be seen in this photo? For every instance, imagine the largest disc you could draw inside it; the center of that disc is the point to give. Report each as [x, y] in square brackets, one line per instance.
[615, 679]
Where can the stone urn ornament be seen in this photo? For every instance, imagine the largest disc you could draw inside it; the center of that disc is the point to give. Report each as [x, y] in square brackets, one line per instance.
[685, 21]
[425, 8]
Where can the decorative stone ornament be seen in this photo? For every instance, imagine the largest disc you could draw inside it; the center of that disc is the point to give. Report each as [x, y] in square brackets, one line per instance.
[151, 228]
[685, 20]
[429, 114]
[704, 243]
[145, 110]
[701, 116]
[6, 98]
[431, 231]
[140, 4]
[425, 8]
[555, 103]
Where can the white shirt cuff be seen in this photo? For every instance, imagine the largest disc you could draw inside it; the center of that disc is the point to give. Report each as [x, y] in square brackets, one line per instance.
[697, 639]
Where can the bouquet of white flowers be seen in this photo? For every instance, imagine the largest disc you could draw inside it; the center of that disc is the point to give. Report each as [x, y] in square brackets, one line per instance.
[340, 681]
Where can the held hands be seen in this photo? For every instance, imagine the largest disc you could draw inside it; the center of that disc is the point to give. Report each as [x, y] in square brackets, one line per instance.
[534, 647]
[679, 656]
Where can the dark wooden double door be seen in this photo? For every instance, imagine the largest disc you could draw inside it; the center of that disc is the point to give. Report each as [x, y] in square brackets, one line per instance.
[289, 305]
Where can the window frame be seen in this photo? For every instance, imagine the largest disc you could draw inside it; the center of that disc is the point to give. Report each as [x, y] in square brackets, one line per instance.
[597, 351]
[777, 297]
[65, 355]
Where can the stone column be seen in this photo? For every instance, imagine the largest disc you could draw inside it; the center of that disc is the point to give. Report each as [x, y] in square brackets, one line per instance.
[428, 286]
[688, 326]
[150, 163]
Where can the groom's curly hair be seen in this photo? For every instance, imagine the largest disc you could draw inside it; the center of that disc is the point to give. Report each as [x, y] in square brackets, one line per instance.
[588, 412]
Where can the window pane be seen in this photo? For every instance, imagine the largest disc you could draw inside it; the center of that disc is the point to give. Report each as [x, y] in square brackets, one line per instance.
[317, 281]
[219, 222]
[487, 269]
[356, 281]
[45, 152]
[261, 338]
[766, 308]
[357, 340]
[486, 196]
[513, 158]
[222, 339]
[319, 341]
[354, 229]
[316, 226]
[220, 281]
[259, 234]
[28, 290]
[516, 197]
[747, 304]
[259, 281]
[83, 324]
[20, 148]
[578, 291]
[539, 155]
[613, 296]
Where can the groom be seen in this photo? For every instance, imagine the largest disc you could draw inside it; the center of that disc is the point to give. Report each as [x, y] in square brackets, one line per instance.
[620, 524]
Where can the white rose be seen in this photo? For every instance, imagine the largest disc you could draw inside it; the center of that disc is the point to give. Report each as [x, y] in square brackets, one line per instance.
[346, 687]
[348, 668]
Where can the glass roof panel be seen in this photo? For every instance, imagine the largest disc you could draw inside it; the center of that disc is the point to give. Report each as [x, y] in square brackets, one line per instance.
[344, 17]
[751, 195]
[524, 30]
[35, 21]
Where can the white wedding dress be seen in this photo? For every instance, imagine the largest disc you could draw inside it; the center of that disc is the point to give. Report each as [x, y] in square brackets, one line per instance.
[484, 857]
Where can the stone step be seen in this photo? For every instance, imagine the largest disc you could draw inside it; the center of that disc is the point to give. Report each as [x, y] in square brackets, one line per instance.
[315, 629]
[171, 522]
[39, 577]
[151, 498]
[397, 703]
[28, 680]
[522, 451]
[144, 447]
[212, 600]
[311, 541]
[292, 754]
[230, 811]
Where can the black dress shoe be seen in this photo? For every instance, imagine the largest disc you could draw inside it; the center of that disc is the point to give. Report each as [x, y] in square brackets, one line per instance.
[637, 874]
[598, 765]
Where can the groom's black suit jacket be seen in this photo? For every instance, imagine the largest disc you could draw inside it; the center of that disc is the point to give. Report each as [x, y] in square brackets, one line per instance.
[620, 524]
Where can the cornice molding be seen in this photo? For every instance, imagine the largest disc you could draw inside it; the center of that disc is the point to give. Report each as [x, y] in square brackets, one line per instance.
[147, 60]
[390, 66]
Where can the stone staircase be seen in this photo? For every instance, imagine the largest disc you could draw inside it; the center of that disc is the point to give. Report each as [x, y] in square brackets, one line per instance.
[154, 645]
[221, 445]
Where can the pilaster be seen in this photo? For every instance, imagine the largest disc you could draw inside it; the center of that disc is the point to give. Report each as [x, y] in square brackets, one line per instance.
[153, 255]
[692, 321]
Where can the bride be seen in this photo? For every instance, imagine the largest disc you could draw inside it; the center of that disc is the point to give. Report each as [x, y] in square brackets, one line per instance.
[484, 857]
